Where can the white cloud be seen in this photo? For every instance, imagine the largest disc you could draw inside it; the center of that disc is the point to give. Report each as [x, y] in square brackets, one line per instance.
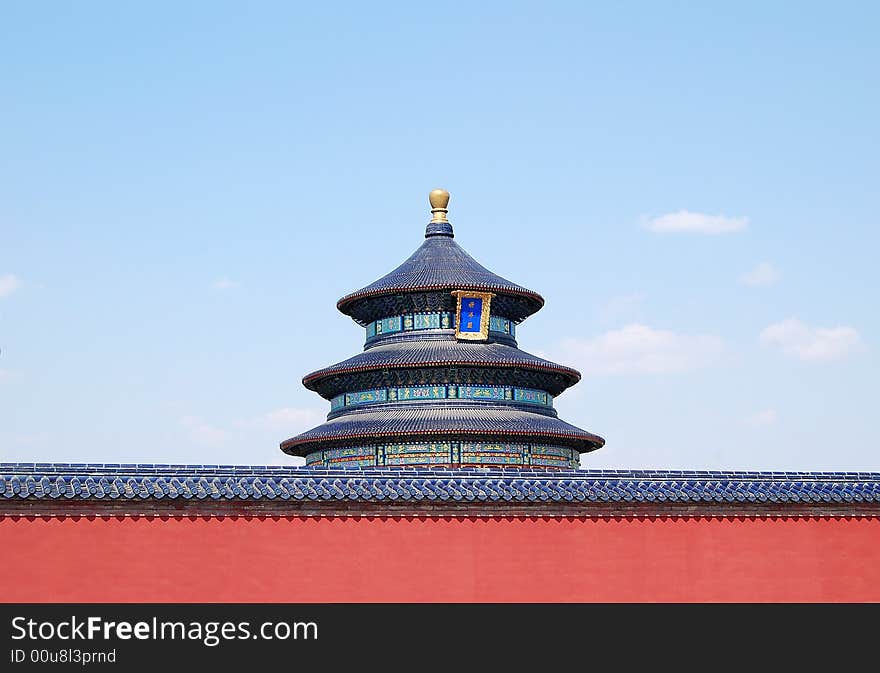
[797, 339]
[9, 284]
[685, 221]
[763, 274]
[622, 307]
[762, 418]
[639, 349]
[225, 284]
[201, 432]
[292, 420]
[284, 422]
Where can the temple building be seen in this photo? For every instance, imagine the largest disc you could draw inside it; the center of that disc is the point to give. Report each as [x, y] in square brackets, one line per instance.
[441, 380]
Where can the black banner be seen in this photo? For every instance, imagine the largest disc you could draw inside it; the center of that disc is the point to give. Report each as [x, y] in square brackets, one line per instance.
[259, 636]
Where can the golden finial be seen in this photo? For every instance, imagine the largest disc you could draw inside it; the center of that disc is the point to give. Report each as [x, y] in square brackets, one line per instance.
[439, 199]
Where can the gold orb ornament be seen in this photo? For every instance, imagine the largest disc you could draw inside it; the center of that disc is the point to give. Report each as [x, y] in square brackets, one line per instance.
[439, 200]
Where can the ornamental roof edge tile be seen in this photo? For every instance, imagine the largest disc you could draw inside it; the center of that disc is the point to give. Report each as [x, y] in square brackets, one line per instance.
[142, 483]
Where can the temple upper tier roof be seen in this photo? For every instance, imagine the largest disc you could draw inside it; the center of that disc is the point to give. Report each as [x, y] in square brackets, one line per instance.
[439, 264]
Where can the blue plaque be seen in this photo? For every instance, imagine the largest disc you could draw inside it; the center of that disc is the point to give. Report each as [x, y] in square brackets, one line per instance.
[472, 314]
[469, 317]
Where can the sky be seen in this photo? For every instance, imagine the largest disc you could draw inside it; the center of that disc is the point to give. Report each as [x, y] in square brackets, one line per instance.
[186, 189]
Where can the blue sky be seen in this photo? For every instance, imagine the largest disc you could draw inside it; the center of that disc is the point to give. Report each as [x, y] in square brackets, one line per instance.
[186, 189]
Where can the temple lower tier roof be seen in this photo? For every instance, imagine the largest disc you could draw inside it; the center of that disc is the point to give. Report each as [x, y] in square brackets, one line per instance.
[492, 422]
[387, 364]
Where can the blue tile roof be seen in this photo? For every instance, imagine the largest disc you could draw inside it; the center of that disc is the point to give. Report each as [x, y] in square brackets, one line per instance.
[443, 419]
[439, 264]
[59, 481]
[443, 352]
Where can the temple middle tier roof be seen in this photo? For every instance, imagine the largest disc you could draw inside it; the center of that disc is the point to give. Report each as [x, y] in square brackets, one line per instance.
[388, 362]
[491, 422]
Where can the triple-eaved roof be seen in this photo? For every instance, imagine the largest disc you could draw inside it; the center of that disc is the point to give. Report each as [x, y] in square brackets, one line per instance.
[423, 392]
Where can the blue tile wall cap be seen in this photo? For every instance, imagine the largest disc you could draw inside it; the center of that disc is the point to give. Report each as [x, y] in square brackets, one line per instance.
[39, 481]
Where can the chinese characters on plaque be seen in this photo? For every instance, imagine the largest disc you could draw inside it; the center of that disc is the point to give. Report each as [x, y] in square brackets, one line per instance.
[472, 315]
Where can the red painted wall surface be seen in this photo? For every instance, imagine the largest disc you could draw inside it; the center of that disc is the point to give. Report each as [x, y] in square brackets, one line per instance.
[347, 559]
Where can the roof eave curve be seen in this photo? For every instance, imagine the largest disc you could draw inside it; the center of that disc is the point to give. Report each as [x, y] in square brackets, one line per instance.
[573, 375]
[349, 299]
[438, 264]
[586, 442]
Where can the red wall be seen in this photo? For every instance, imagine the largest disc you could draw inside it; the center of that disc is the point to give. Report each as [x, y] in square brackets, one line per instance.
[346, 559]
